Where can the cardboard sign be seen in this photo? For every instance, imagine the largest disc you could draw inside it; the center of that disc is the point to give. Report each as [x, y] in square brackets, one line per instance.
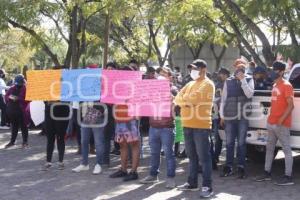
[81, 85]
[43, 85]
[118, 86]
[151, 98]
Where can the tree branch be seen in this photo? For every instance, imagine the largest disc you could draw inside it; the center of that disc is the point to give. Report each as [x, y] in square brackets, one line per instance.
[45, 47]
[45, 13]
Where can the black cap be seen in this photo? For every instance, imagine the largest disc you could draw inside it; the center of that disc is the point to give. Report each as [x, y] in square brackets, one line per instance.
[259, 70]
[224, 71]
[278, 65]
[199, 63]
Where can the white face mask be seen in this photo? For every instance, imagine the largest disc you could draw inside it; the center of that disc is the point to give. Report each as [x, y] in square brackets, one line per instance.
[195, 74]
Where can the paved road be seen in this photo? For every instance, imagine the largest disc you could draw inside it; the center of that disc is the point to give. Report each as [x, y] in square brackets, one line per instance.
[21, 178]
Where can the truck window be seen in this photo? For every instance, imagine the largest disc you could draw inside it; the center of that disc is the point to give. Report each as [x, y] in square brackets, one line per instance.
[295, 78]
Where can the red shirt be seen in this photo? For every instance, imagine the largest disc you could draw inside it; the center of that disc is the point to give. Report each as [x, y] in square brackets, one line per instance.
[281, 91]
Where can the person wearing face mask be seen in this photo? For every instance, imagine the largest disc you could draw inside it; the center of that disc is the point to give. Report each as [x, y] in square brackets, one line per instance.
[196, 102]
[235, 104]
[279, 123]
[17, 111]
[260, 79]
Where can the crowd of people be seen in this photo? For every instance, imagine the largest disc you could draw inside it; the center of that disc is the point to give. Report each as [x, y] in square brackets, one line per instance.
[203, 102]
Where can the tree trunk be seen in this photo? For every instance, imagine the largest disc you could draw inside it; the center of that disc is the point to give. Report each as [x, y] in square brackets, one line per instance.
[267, 50]
[74, 44]
[239, 35]
[218, 57]
[195, 51]
[153, 34]
[106, 38]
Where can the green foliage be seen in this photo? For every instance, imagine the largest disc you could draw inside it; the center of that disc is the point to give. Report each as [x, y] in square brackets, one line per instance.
[192, 21]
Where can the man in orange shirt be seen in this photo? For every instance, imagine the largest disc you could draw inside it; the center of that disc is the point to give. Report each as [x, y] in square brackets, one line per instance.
[279, 123]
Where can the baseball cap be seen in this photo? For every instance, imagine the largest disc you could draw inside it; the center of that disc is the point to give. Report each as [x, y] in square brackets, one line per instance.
[279, 65]
[199, 63]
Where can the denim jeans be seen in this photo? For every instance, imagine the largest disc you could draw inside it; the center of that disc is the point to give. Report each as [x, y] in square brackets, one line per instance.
[236, 129]
[197, 147]
[218, 140]
[98, 135]
[162, 138]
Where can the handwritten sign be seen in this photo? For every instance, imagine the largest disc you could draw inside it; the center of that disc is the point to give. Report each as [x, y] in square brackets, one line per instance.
[43, 85]
[118, 86]
[151, 98]
[81, 85]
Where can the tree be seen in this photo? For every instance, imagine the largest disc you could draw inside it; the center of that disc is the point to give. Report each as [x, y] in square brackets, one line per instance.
[69, 18]
[13, 51]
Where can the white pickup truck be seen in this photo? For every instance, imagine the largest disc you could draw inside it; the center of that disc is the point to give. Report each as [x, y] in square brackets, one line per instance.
[257, 132]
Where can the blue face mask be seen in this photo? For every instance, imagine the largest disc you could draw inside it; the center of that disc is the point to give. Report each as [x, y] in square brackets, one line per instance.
[274, 75]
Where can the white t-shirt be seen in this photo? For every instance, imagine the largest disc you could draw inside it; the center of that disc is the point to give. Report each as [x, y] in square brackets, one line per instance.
[3, 86]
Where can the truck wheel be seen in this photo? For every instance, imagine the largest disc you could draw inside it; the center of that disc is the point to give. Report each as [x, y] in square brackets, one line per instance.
[257, 153]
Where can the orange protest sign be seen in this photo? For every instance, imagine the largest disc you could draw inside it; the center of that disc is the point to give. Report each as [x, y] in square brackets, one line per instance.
[43, 85]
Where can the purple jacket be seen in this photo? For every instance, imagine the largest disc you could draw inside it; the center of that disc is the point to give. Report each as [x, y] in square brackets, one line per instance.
[23, 103]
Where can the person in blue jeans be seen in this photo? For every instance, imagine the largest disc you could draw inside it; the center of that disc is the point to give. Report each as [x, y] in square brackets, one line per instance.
[162, 135]
[196, 103]
[222, 75]
[92, 126]
[234, 109]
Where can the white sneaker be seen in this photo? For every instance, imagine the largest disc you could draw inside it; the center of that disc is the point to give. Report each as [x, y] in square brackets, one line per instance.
[170, 183]
[81, 168]
[4, 127]
[97, 169]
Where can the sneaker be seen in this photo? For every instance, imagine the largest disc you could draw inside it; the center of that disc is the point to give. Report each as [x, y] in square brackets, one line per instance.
[81, 168]
[241, 173]
[4, 127]
[227, 171]
[149, 179]
[286, 180]
[265, 177]
[170, 183]
[97, 169]
[206, 192]
[46, 166]
[9, 145]
[118, 174]
[187, 187]
[131, 176]
[24, 146]
[61, 166]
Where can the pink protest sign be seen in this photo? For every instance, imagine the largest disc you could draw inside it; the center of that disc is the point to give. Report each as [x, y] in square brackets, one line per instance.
[118, 85]
[151, 98]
